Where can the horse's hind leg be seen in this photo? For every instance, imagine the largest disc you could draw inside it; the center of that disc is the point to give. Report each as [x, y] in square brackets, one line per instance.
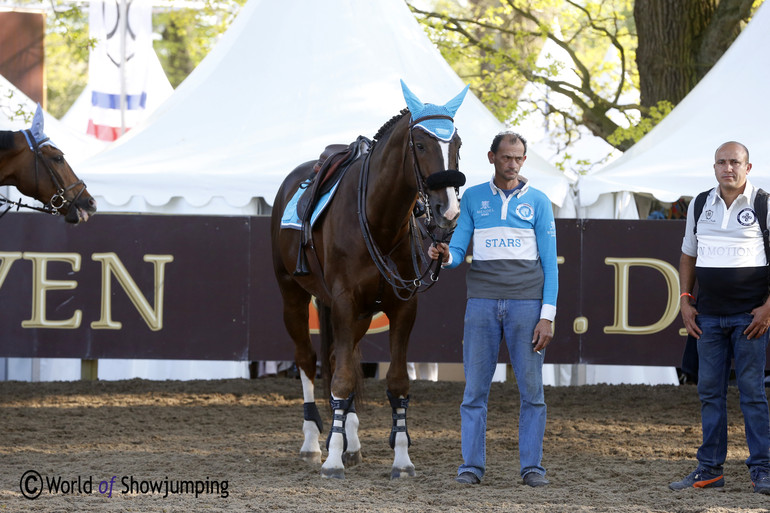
[295, 317]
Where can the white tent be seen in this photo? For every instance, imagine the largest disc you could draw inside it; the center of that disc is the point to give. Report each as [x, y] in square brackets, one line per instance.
[676, 158]
[286, 80]
[77, 147]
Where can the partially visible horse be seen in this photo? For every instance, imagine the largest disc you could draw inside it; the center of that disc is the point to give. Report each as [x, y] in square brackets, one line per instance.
[34, 165]
[361, 257]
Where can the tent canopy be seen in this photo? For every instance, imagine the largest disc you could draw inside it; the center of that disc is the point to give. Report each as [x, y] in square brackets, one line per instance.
[76, 147]
[729, 104]
[286, 80]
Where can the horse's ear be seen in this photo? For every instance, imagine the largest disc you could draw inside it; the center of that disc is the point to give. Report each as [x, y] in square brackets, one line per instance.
[454, 104]
[37, 124]
[414, 103]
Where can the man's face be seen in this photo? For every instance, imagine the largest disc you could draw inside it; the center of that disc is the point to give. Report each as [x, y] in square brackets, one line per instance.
[508, 161]
[731, 167]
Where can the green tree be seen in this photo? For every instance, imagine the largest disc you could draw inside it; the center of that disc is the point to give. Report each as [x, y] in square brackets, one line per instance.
[652, 51]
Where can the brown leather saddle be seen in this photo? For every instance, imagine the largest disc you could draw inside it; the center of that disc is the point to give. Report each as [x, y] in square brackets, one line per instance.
[327, 171]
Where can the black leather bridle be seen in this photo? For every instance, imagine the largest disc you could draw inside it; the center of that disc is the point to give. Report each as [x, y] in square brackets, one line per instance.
[57, 201]
[384, 263]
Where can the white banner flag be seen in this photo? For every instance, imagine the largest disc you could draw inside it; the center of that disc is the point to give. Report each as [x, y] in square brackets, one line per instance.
[118, 65]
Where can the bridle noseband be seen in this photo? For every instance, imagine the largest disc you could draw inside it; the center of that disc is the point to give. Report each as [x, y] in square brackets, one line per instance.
[57, 201]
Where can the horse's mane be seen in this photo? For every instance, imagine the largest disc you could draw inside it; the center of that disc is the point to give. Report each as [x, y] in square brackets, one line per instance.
[392, 121]
[6, 140]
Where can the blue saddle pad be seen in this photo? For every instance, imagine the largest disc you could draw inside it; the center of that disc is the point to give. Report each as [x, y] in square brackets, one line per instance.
[290, 218]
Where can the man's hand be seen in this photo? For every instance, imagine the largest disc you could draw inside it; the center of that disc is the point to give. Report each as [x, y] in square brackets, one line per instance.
[440, 248]
[542, 335]
[689, 313]
[761, 322]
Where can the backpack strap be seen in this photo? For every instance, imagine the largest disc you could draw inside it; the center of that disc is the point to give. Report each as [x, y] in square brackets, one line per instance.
[700, 201]
[760, 209]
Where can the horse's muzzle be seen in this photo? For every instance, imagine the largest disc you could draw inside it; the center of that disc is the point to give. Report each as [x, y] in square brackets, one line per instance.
[444, 179]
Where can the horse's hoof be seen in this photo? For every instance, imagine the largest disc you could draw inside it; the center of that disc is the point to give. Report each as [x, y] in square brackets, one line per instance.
[333, 473]
[310, 457]
[351, 458]
[398, 473]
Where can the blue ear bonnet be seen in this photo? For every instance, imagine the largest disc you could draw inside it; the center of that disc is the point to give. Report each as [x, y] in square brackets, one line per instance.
[36, 131]
[442, 129]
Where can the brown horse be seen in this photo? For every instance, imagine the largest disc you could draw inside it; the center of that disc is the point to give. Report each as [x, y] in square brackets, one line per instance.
[34, 165]
[361, 254]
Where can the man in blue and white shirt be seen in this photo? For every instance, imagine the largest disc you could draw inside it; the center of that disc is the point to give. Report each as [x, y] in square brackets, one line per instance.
[512, 287]
[730, 319]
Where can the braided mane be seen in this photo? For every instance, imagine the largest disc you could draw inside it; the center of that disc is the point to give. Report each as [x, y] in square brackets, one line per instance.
[6, 139]
[392, 121]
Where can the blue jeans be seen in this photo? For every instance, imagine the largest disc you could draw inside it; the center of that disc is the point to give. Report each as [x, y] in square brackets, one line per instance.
[723, 336]
[487, 322]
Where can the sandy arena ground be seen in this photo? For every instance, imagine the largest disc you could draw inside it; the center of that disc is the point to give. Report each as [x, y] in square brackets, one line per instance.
[607, 449]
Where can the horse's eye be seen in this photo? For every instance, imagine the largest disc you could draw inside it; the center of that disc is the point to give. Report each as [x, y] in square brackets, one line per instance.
[420, 146]
[58, 159]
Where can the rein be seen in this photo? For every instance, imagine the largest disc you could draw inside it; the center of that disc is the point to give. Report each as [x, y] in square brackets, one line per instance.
[384, 263]
[57, 201]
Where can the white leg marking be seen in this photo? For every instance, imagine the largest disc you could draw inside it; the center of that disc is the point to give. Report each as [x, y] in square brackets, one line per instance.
[311, 449]
[351, 430]
[402, 465]
[308, 388]
[333, 466]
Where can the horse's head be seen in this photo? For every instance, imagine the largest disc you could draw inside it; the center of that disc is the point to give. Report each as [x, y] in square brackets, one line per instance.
[43, 173]
[435, 147]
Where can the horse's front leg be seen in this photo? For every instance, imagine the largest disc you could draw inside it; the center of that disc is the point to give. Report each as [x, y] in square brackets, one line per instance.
[343, 444]
[401, 322]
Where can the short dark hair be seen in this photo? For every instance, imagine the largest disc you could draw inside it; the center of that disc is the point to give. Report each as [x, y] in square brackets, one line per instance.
[509, 135]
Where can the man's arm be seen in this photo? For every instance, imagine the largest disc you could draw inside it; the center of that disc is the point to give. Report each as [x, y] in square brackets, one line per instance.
[686, 284]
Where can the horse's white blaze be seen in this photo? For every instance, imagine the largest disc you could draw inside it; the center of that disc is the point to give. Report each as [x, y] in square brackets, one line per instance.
[444, 145]
[351, 430]
[401, 449]
[453, 205]
[336, 444]
[452, 209]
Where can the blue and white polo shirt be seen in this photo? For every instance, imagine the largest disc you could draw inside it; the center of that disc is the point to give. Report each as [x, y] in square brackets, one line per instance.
[514, 245]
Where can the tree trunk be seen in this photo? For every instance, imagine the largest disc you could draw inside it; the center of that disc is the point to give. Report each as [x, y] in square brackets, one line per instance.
[679, 41]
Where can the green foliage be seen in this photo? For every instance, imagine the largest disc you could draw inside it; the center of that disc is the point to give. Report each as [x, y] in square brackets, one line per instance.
[67, 44]
[635, 132]
[188, 35]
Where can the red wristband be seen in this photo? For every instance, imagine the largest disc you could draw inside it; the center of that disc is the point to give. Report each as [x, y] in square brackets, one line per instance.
[683, 294]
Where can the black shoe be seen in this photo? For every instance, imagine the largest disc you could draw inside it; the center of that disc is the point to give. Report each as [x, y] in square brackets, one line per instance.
[468, 478]
[535, 479]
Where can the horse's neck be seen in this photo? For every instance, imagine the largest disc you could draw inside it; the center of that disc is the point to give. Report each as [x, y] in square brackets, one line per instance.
[8, 150]
[390, 195]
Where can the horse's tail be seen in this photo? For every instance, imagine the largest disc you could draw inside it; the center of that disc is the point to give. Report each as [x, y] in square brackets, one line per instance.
[327, 357]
